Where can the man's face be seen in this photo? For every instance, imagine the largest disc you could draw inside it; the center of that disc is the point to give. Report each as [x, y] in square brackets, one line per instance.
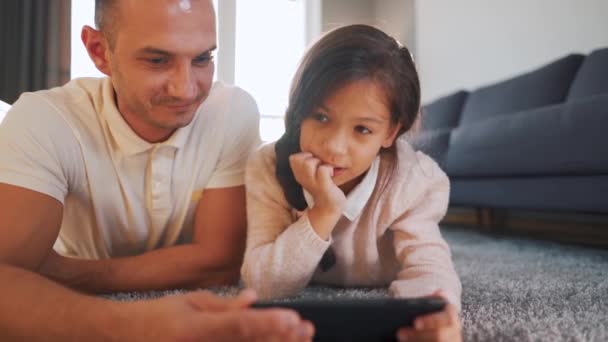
[161, 63]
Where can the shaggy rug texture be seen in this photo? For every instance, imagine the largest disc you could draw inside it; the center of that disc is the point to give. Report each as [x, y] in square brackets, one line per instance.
[514, 289]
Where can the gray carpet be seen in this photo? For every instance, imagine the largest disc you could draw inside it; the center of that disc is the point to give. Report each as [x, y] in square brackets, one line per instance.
[514, 289]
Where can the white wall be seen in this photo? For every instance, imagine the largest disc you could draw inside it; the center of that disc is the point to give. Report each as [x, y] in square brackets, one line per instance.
[336, 13]
[397, 18]
[470, 43]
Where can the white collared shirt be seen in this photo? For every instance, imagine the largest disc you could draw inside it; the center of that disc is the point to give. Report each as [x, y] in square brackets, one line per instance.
[358, 197]
[121, 194]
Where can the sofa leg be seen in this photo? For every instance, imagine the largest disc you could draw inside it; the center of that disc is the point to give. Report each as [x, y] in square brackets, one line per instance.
[484, 217]
[499, 218]
[491, 218]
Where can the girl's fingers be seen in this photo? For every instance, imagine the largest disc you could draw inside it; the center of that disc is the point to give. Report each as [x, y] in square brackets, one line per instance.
[432, 321]
[440, 294]
[324, 174]
[304, 166]
[446, 317]
[451, 334]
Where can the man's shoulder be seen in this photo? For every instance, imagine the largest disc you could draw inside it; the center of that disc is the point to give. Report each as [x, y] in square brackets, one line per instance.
[75, 98]
[234, 101]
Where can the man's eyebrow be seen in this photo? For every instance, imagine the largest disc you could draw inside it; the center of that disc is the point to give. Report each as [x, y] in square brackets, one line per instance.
[155, 51]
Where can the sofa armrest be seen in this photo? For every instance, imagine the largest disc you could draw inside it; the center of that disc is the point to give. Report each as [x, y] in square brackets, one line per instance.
[434, 143]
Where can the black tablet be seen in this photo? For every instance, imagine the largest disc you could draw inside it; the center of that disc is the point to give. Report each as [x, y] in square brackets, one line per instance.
[359, 319]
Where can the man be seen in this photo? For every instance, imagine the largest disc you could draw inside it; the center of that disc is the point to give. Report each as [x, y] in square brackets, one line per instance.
[136, 180]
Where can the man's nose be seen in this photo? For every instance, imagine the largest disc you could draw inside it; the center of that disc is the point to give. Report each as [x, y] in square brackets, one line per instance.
[182, 83]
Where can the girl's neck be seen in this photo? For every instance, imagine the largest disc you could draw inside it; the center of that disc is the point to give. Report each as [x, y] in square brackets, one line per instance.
[350, 185]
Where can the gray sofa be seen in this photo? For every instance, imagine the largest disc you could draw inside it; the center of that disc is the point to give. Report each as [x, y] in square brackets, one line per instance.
[535, 141]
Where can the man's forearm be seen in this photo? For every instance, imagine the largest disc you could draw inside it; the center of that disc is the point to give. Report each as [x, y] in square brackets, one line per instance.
[184, 266]
[37, 309]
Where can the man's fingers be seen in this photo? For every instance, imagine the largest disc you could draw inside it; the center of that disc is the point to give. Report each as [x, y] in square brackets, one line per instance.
[245, 299]
[261, 324]
[207, 301]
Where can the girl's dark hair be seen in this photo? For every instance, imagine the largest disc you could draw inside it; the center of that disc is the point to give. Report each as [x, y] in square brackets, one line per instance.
[346, 54]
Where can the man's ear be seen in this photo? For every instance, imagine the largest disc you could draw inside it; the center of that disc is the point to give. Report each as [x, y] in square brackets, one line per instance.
[97, 47]
[392, 135]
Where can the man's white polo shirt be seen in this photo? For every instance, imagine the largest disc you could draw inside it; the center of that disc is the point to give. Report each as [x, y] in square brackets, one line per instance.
[122, 195]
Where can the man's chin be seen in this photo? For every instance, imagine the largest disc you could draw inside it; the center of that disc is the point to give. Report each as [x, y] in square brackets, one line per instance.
[183, 117]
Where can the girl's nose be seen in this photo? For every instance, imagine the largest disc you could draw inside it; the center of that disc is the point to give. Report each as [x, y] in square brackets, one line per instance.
[336, 146]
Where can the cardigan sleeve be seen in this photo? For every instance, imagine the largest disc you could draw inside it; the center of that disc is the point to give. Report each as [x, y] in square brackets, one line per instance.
[424, 256]
[282, 254]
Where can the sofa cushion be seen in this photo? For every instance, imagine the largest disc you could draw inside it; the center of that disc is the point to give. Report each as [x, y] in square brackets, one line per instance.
[565, 139]
[434, 143]
[541, 87]
[443, 112]
[592, 77]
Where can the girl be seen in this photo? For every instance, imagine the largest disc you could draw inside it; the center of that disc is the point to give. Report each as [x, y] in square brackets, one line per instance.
[339, 200]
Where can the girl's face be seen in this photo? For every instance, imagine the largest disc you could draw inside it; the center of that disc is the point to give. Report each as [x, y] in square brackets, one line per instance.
[348, 130]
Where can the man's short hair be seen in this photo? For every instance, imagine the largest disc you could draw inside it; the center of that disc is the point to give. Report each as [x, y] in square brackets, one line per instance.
[105, 18]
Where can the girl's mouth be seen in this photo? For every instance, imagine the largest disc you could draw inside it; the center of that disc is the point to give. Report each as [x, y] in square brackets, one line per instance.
[338, 171]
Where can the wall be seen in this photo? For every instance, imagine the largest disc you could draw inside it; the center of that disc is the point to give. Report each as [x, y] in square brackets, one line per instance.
[395, 17]
[469, 43]
[336, 13]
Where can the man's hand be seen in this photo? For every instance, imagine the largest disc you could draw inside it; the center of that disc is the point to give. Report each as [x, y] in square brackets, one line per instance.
[440, 326]
[329, 198]
[202, 316]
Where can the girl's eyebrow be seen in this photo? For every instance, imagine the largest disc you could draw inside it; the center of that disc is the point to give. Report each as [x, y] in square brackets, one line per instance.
[362, 118]
[371, 119]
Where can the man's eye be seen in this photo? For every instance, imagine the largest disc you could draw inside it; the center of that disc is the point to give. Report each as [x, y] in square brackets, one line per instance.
[363, 130]
[203, 59]
[157, 61]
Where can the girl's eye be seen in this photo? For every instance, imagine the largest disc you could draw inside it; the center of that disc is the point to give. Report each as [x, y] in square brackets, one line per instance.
[363, 130]
[320, 117]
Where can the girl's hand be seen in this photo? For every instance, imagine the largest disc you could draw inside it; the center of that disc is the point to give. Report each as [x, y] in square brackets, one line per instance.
[329, 198]
[440, 326]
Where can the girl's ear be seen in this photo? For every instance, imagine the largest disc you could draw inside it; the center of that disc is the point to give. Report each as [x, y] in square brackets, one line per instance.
[391, 135]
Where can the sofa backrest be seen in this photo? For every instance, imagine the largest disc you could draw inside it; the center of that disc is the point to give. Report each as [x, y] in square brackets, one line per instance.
[592, 77]
[443, 112]
[541, 87]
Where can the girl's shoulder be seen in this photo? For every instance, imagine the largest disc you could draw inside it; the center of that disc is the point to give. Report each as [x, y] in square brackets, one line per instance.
[263, 157]
[411, 171]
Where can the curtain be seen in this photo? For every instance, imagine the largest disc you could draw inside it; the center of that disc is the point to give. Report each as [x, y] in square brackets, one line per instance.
[34, 46]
